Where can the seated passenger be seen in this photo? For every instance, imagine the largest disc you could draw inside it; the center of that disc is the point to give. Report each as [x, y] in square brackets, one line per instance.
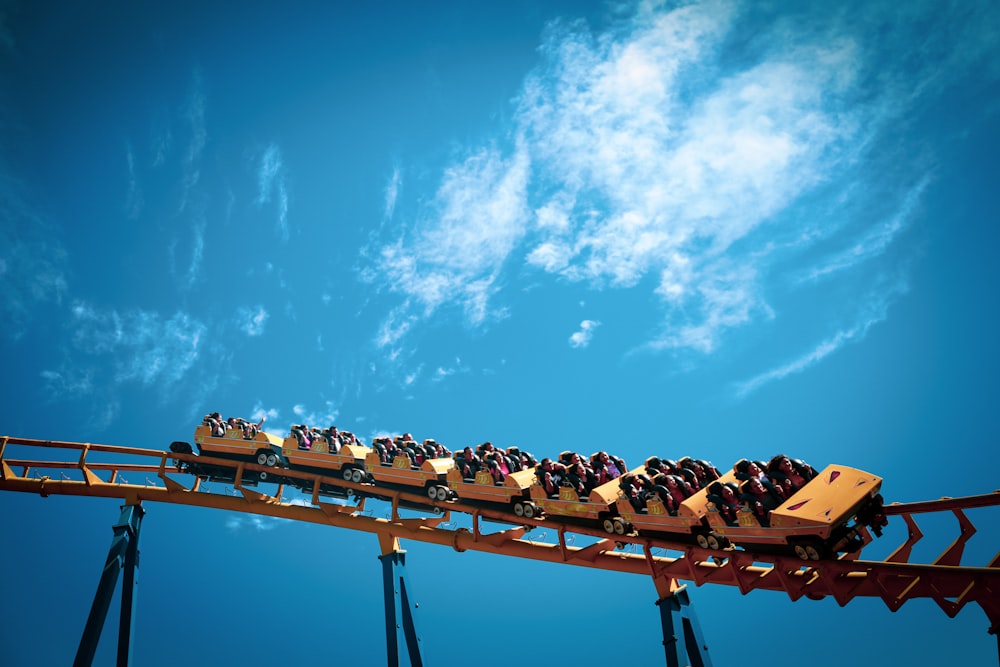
[215, 422]
[656, 465]
[607, 467]
[551, 476]
[581, 479]
[426, 449]
[760, 499]
[570, 459]
[301, 433]
[441, 452]
[634, 488]
[689, 476]
[678, 490]
[704, 471]
[746, 469]
[657, 488]
[468, 464]
[497, 465]
[790, 475]
[386, 449]
[333, 440]
[725, 497]
[431, 449]
[514, 459]
[653, 465]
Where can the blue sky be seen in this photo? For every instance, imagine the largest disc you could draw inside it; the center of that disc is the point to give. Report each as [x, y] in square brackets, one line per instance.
[721, 229]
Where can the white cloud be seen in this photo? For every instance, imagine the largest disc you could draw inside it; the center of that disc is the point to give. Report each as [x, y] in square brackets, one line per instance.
[251, 321]
[657, 152]
[874, 240]
[32, 260]
[143, 346]
[321, 418]
[479, 217]
[392, 193]
[272, 185]
[195, 114]
[443, 372]
[238, 522]
[582, 337]
[260, 412]
[872, 311]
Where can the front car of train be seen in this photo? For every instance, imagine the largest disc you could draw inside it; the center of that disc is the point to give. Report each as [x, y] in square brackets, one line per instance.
[829, 515]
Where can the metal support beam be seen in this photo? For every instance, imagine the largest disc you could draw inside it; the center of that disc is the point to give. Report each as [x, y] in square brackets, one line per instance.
[398, 609]
[683, 641]
[124, 553]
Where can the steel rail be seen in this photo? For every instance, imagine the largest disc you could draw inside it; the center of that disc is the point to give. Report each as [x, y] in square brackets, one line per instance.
[895, 581]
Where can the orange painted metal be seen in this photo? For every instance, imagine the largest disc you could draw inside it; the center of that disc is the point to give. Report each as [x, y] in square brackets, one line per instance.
[320, 458]
[483, 488]
[233, 443]
[895, 581]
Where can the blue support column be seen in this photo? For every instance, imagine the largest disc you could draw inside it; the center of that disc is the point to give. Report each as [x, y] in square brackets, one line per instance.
[683, 641]
[398, 610]
[124, 553]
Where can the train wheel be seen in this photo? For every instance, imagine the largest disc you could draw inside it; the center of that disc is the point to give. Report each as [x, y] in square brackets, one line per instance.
[444, 493]
[812, 552]
[713, 541]
[357, 476]
[432, 492]
[619, 527]
[800, 551]
[345, 472]
[263, 475]
[609, 526]
[701, 540]
[518, 509]
[272, 459]
[262, 458]
[530, 510]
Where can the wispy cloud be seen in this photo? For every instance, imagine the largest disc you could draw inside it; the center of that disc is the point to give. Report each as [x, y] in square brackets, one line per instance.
[141, 345]
[325, 416]
[251, 321]
[653, 153]
[194, 114]
[239, 522]
[260, 412]
[272, 186]
[582, 337]
[874, 239]
[193, 199]
[392, 193]
[477, 218]
[870, 312]
[133, 198]
[33, 262]
[443, 372]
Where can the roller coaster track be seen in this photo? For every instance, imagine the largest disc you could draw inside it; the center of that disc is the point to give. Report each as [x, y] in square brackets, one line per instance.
[895, 580]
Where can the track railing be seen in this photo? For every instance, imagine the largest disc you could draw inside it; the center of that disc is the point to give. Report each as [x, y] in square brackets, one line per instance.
[155, 477]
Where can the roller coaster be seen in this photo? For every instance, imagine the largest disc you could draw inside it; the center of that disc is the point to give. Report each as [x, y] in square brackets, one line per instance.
[807, 562]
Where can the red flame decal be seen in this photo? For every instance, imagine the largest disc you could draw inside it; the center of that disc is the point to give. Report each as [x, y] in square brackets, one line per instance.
[834, 475]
